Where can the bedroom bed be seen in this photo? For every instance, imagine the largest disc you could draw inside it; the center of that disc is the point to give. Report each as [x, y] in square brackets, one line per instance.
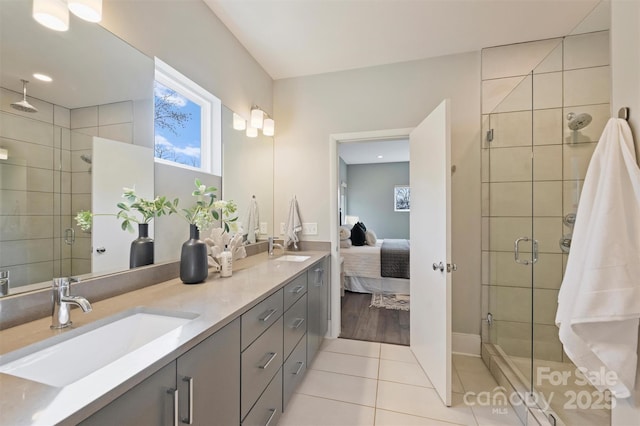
[370, 269]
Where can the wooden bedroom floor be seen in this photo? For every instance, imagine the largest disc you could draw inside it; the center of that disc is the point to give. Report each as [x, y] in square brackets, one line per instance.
[360, 322]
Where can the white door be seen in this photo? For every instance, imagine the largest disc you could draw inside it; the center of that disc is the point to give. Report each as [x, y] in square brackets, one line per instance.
[430, 222]
[116, 165]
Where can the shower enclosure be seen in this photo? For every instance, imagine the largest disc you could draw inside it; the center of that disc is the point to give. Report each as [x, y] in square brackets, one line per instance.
[538, 139]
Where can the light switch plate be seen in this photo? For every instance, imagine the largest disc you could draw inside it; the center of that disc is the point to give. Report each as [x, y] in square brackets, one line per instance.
[310, 229]
[263, 227]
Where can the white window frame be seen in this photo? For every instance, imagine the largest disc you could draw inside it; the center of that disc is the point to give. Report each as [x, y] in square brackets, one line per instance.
[210, 119]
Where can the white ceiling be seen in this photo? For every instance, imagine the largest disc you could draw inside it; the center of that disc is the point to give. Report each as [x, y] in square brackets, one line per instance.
[367, 152]
[291, 38]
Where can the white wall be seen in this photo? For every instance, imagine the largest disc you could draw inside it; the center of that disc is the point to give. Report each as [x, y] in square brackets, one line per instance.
[309, 109]
[625, 90]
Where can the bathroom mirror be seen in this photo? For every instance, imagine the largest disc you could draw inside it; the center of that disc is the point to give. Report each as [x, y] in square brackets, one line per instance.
[247, 173]
[47, 157]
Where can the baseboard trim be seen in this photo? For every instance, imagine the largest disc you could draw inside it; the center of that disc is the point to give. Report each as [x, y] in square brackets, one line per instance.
[467, 344]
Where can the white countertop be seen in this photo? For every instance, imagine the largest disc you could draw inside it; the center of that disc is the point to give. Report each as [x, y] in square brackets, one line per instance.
[216, 302]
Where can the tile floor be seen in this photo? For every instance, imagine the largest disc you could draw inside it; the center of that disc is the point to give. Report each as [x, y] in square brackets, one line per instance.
[355, 383]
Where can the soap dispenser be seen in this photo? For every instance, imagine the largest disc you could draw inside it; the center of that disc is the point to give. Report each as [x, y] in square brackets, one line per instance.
[226, 262]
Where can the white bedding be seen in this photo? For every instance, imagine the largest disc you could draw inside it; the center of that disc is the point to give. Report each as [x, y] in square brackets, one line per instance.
[361, 265]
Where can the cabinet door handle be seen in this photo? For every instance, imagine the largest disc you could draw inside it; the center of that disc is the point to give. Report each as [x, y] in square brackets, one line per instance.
[297, 290]
[176, 405]
[271, 358]
[301, 364]
[268, 315]
[189, 419]
[273, 413]
[298, 323]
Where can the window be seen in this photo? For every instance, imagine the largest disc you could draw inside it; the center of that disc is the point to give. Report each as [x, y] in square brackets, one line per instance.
[187, 122]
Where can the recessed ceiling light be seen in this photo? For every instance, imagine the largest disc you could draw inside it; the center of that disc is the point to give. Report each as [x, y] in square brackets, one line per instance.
[379, 156]
[43, 77]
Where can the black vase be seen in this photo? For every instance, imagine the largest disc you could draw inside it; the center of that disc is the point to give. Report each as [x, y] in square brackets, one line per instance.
[141, 248]
[194, 267]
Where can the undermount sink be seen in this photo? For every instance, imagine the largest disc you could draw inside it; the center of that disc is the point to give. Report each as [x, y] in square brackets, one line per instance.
[66, 358]
[293, 258]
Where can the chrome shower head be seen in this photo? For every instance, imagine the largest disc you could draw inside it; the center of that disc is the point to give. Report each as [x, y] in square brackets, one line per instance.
[23, 105]
[578, 121]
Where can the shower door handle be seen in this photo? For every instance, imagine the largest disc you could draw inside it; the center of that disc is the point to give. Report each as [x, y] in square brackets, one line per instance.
[516, 251]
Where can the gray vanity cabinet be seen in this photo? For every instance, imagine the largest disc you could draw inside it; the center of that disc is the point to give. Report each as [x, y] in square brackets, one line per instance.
[204, 383]
[150, 403]
[318, 307]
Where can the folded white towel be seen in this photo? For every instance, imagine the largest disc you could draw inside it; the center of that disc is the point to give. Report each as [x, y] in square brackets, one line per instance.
[294, 225]
[599, 300]
[251, 222]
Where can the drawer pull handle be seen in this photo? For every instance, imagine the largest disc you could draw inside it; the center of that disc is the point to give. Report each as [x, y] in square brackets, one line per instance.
[298, 323]
[271, 358]
[301, 364]
[273, 413]
[297, 290]
[189, 420]
[269, 315]
[176, 405]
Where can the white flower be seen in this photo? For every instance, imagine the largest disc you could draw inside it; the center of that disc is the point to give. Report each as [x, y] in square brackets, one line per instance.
[202, 188]
[219, 205]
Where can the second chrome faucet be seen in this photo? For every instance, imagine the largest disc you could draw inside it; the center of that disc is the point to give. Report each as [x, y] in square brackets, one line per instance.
[62, 301]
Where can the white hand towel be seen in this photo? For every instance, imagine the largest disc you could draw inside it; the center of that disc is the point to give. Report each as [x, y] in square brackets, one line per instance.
[599, 300]
[294, 224]
[251, 223]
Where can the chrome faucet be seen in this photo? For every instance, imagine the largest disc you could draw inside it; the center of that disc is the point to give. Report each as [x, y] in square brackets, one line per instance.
[62, 301]
[273, 245]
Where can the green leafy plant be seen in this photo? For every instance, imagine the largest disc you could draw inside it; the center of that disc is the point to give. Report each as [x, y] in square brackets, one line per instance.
[139, 210]
[207, 209]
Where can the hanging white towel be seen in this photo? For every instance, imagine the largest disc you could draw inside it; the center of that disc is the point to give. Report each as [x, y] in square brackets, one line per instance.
[293, 225]
[251, 223]
[599, 300]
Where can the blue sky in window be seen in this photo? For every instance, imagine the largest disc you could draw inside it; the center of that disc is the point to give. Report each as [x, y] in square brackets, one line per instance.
[183, 144]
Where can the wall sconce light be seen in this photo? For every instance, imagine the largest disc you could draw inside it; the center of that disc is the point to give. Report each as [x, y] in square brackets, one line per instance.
[53, 14]
[257, 117]
[89, 10]
[239, 123]
[252, 132]
[268, 127]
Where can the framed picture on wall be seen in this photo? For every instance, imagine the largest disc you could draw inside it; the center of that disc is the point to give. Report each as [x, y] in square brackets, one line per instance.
[401, 198]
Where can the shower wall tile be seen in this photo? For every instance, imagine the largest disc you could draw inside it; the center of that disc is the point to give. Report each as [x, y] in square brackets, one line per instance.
[548, 230]
[553, 61]
[510, 198]
[117, 132]
[115, 113]
[485, 165]
[485, 300]
[61, 116]
[548, 271]
[62, 160]
[81, 183]
[514, 338]
[485, 267]
[494, 93]
[510, 164]
[77, 163]
[84, 117]
[26, 251]
[19, 178]
[587, 86]
[546, 344]
[80, 202]
[16, 227]
[485, 199]
[65, 182]
[81, 249]
[62, 138]
[511, 304]
[64, 207]
[547, 90]
[511, 129]
[7, 97]
[486, 125]
[27, 154]
[547, 126]
[571, 195]
[545, 303]
[586, 50]
[81, 141]
[25, 129]
[25, 203]
[592, 132]
[547, 198]
[80, 266]
[505, 230]
[485, 233]
[547, 162]
[576, 160]
[516, 59]
[30, 273]
[507, 272]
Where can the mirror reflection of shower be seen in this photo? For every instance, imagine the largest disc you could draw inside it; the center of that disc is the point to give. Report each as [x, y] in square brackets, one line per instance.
[576, 122]
[87, 159]
[24, 105]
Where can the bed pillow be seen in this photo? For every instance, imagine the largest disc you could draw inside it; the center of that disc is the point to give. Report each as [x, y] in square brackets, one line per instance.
[345, 243]
[345, 233]
[358, 234]
[370, 237]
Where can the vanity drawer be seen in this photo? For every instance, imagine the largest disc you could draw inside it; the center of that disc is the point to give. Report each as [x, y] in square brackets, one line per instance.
[295, 325]
[293, 371]
[268, 409]
[294, 290]
[257, 319]
[260, 362]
